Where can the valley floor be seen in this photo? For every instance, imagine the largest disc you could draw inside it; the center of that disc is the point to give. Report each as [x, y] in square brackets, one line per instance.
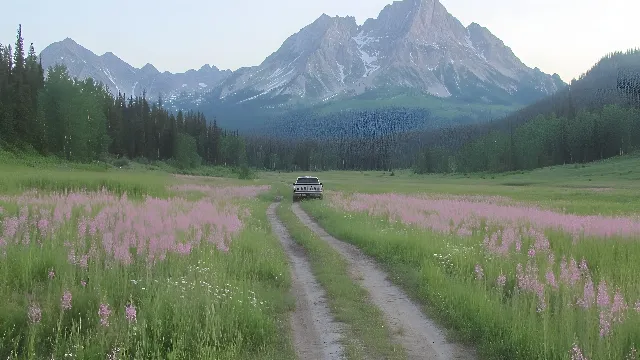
[144, 264]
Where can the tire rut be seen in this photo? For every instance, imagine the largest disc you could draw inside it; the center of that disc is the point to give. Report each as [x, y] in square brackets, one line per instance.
[316, 336]
[420, 336]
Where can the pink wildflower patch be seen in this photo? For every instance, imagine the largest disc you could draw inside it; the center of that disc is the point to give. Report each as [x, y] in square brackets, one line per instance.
[130, 313]
[449, 213]
[35, 313]
[104, 312]
[108, 227]
[66, 300]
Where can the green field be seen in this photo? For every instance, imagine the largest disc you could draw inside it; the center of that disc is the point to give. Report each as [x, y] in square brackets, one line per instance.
[208, 279]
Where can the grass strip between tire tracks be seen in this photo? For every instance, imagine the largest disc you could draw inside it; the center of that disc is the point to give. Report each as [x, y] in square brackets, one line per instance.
[367, 336]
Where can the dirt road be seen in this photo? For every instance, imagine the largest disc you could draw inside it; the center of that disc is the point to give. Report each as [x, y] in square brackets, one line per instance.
[421, 337]
[316, 335]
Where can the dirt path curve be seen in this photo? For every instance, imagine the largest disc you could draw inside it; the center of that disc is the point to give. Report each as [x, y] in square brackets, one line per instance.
[315, 334]
[420, 336]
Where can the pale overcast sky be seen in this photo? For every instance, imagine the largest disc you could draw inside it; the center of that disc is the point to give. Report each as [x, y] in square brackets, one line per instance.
[563, 36]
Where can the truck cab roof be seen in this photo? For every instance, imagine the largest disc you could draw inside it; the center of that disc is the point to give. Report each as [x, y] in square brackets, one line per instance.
[307, 180]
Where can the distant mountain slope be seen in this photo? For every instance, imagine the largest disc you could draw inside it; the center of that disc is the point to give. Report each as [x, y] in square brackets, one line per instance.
[595, 118]
[614, 80]
[415, 44]
[414, 54]
[122, 77]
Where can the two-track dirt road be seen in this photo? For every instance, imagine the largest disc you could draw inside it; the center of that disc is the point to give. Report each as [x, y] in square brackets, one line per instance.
[421, 337]
[315, 334]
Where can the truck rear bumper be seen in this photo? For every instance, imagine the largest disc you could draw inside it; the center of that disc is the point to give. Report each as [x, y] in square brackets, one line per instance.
[304, 195]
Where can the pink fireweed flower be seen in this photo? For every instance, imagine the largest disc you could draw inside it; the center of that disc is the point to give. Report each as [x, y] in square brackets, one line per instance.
[84, 261]
[479, 272]
[574, 272]
[35, 313]
[551, 279]
[502, 280]
[52, 274]
[605, 322]
[576, 353]
[532, 252]
[588, 294]
[584, 269]
[551, 258]
[83, 283]
[43, 225]
[618, 307]
[603, 295]
[130, 312]
[66, 300]
[104, 313]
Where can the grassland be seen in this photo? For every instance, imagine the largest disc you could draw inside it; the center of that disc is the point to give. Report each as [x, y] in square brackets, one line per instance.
[220, 288]
[547, 285]
[138, 264]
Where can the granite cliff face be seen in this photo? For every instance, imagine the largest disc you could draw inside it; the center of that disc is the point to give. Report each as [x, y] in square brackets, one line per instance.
[415, 44]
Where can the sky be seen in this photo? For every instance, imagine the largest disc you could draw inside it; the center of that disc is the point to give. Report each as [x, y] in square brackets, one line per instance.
[558, 36]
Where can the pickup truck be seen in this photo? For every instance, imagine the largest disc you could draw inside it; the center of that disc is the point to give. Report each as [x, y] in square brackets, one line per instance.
[307, 187]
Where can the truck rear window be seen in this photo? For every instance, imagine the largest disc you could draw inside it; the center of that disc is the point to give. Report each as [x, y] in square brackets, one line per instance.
[307, 181]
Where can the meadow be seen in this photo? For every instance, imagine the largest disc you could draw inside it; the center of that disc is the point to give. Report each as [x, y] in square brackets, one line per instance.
[140, 263]
[538, 265]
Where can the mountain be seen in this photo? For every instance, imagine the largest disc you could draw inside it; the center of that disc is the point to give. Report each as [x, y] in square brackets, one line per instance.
[413, 44]
[415, 54]
[122, 77]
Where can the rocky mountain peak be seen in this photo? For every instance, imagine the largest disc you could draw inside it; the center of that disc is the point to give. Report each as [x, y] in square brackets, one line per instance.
[412, 44]
[415, 44]
[69, 42]
[149, 69]
[121, 77]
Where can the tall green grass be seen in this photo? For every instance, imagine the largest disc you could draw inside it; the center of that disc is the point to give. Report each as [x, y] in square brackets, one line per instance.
[438, 271]
[207, 305]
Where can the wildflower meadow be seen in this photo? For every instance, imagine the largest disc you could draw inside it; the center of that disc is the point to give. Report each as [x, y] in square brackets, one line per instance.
[520, 281]
[94, 274]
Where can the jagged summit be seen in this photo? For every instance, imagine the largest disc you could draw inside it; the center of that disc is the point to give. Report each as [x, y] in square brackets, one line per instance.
[412, 44]
[415, 44]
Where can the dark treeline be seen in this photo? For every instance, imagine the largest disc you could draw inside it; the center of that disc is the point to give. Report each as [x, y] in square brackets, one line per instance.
[80, 120]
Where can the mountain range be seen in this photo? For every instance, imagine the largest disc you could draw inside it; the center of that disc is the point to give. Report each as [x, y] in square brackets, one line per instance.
[412, 47]
[121, 77]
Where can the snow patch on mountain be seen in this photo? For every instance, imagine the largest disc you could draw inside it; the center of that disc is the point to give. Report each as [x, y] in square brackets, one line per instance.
[368, 60]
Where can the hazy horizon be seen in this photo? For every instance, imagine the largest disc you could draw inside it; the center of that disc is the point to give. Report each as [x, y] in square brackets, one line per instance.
[563, 36]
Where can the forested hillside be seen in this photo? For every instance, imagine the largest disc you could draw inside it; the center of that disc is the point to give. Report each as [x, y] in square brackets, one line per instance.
[81, 121]
[595, 118]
